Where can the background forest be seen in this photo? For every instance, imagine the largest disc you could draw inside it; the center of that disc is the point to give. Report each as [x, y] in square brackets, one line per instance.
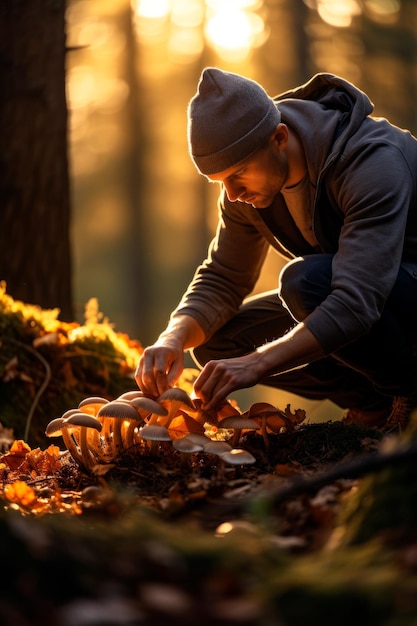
[127, 218]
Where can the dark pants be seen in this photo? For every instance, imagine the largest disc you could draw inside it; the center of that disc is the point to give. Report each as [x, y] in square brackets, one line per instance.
[365, 374]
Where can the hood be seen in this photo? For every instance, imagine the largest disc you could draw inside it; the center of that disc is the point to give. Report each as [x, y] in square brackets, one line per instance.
[325, 112]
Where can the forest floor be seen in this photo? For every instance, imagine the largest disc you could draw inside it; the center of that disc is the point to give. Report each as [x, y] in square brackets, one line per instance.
[320, 529]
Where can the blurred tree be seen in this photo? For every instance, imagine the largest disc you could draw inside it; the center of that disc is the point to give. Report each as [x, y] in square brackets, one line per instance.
[35, 258]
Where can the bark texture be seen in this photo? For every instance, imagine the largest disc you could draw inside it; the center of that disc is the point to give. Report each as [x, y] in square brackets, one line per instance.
[35, 257]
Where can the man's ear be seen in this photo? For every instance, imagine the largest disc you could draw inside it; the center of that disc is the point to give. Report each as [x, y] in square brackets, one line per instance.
[280, 136]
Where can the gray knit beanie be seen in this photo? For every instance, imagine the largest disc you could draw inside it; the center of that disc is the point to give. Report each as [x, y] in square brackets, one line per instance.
[229, 118]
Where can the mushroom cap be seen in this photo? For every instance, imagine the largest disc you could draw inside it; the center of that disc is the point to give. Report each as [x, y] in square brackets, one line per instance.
[147, 405]
[131, 395]
[118, 409]
[263, 408]
[187, 446]
[198, 438]
[239, 422]
[176, 394]
[70, 412]
[54, 428]
[217, 447]
[84, 420]
[237, 456]
[92, 404]
[155, 432]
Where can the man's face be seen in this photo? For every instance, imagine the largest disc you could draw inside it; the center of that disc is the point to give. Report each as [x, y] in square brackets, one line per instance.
[257, 179]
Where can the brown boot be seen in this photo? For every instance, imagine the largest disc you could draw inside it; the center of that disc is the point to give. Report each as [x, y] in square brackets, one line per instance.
[387, 420]
[369, 419]
[399, 415]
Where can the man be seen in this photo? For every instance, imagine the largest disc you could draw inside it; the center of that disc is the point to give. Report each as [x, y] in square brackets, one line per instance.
[312, 174]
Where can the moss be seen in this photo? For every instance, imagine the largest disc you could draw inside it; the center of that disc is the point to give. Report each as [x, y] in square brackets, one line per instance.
[384, 503]
[72, 361]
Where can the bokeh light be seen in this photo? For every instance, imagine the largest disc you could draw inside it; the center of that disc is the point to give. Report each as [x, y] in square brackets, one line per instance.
[232, 29]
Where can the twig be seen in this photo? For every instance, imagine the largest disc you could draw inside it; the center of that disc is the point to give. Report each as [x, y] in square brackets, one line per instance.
[355, 468]
[41, 389]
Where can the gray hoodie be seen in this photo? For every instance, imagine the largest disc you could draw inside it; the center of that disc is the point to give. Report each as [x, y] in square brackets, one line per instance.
[363, 177]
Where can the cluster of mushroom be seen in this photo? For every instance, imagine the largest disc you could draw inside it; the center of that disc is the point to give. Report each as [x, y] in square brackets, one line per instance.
[99, 431]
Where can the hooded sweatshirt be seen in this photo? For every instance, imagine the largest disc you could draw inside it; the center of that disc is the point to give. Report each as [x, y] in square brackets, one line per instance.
[363, 181]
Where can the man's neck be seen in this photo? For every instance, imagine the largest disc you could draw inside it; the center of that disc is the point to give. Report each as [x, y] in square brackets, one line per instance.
[297, 165]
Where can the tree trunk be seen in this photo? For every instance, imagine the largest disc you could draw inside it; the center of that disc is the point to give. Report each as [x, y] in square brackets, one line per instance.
[35, 259]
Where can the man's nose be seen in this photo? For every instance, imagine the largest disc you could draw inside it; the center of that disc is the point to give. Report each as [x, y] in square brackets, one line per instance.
[233, 191]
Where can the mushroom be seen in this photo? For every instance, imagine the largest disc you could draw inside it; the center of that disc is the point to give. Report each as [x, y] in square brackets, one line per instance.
[116, 412]
[236, 457]
[237, 423]
[154, 433]
[198, 438]
[58, 427]
[83, 422]
[92, 404]
[174, 399]
[148, 408]
[131, 395]
[216, 447]
[263, 411]
[186, 447]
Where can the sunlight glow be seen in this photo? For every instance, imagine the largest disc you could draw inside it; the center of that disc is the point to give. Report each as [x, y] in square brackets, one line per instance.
[383, 11]
[152, 9]
[185, 45]
[232, 28]
[233, 32]
[338, 12]
[187, 13]
[80, 87]
[242, 5]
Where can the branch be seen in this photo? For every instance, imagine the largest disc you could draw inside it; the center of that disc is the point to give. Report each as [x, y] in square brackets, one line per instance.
[41, 389]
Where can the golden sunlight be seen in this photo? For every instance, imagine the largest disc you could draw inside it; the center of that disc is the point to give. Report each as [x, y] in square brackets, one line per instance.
[234, 31]
[231, 28]
[152, 9]
[338, 12]
[383, 11]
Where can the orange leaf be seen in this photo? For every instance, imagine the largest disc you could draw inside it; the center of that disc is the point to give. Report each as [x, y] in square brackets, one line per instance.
[275, 423]
[182, 425]
[16, 455]
[20, 493]
[43, 461]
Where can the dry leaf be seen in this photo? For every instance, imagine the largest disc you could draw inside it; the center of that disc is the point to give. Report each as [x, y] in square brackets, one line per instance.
[183, 425]
[21, 494]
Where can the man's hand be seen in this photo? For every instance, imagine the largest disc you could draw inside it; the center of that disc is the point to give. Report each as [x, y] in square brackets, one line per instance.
[220, 378]
[159, 367]
[161, 364]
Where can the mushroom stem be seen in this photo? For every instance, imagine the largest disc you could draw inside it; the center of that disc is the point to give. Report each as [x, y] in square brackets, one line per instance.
[263, 431]
[129, 436]
[236, 437]
[154, 448]
[71, 447]
[88, 459]
[117, 436]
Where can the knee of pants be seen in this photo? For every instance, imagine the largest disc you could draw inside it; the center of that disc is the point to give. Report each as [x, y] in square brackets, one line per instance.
[290, 288]
[202, 355]
[304, 283]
